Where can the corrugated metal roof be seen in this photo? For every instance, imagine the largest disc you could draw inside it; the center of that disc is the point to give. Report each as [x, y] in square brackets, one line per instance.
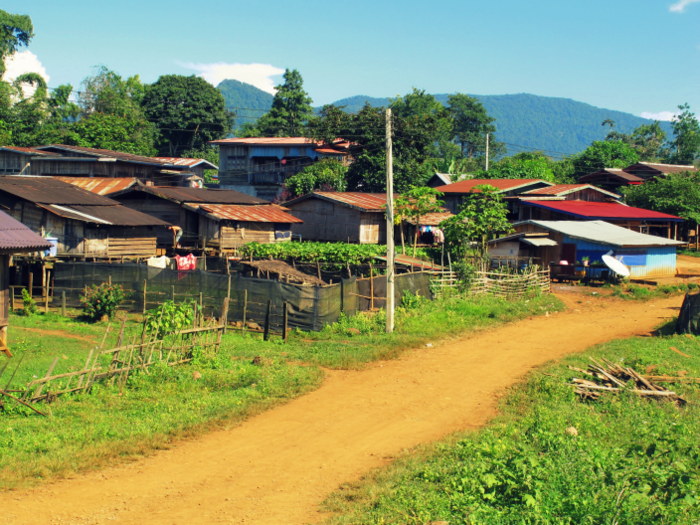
[16, 237]
[538, 241]
[370, 202]
[267, 141]
[663, 168]
[467, 186]
[603, 232]
[233, 212]
[565, 189]
[24, 151]
[48, 190]
[432, 219]
[106, 154]
[190, 163]
[602, 210]
[101, 185]
[201, 195]
[116, 215]
[596, 175]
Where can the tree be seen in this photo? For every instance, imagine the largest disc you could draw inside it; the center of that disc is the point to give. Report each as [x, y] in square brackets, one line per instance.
[647, 140]
[482, 217]
[412, 206]
[527, 165]
[290, 111]
[603, 154]
[685, 146]
[107, 92]
[105, 131]
[326, 174]
[188, 113]
[15, 31]
[470, 125]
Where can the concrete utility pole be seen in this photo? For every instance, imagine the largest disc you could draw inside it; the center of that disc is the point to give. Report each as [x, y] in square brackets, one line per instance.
[389, 228]
[487, 151]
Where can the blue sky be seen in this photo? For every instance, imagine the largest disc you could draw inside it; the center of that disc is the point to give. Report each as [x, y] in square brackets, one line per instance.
[639, 56]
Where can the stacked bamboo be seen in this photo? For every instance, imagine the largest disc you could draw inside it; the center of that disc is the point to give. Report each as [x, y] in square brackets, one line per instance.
[606, 376]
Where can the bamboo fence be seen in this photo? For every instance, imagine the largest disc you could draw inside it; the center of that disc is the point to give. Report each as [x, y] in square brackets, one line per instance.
[510, 283]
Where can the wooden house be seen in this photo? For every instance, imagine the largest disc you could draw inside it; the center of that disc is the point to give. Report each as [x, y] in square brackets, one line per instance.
[454, 194]
[81, 224]
[15, 238]
[575, 241]
[78, 161]
[352, 217]
[614, 179]
[636, 219]
[340, 216]
[259, 166]
[215, 220]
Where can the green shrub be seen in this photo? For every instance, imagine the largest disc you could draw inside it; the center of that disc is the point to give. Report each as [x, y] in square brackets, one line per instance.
[99, 300]
[169, 317]
[29, 303]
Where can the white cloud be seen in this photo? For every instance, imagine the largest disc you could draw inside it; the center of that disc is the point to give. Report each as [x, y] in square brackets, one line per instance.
[680, 6]
[24, 62]
[258, 75]
[660, 115]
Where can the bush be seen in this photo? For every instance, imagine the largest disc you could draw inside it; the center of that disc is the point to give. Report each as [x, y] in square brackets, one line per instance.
[100, 300]
[169, 317]
[29, 303]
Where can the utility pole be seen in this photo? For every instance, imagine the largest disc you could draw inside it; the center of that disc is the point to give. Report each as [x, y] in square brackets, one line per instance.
[389, 228]
[487, 151]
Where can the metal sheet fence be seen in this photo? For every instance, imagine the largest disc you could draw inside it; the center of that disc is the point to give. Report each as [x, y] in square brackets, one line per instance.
[251, 301]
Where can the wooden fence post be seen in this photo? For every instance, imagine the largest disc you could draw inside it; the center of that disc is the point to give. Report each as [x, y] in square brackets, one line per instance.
[285, 320]
[173, 292]
[266, 332]
[12, 298]
[145, 296]
[245, 307]
[224, 314]
[31, 284]
[63, 303]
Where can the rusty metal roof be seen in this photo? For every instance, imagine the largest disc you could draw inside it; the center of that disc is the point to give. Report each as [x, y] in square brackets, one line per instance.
[48, 190]
[599, 175]
[657, 167]
[233, 212]
[190, 163]
[432, 219]
[467, 186]
[369, 202]
[23, 151]
[106, 154]
[115, 215]
[16, 237]
[201, 195]
[267, 141]
[101, 185]
[565, 189]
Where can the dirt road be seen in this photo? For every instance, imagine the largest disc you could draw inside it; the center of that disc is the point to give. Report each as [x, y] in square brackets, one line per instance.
[278, 466]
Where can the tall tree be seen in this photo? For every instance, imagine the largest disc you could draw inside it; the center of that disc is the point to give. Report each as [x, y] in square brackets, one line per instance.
[526, 165]
[188, 112]
[603, 154]
[326, 174]
[471, 123]
[107, 92]
[685, 146]
[413, 205]
[290, 111]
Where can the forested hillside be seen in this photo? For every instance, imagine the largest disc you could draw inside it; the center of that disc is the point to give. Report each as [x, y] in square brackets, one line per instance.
[557, 126]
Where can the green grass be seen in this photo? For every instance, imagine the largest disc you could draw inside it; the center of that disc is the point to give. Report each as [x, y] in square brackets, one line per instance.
[629, 460]
[643, 293]
[89, 431]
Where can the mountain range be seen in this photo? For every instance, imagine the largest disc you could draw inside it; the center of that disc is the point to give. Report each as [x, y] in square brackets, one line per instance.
[524, 122]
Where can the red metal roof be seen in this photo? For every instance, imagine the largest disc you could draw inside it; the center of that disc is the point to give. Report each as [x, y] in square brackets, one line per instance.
[16, 237]
[602, 210]
[101, 185]
[467, 186]
[242, 213]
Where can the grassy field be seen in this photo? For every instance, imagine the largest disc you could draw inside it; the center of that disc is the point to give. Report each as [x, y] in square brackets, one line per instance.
[550, 458]
[248, 375]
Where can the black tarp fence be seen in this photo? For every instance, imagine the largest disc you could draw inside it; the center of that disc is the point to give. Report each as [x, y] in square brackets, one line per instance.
[308, 307]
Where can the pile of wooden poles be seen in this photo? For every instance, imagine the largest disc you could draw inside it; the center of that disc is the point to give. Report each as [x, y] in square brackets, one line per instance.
[605, 376]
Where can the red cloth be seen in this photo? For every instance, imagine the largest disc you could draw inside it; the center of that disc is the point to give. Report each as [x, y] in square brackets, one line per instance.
[186, 262]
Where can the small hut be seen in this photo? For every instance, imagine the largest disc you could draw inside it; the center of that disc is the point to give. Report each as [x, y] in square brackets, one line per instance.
[15, 237]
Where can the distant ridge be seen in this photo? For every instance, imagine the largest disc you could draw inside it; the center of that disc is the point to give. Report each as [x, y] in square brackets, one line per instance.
[525, 122]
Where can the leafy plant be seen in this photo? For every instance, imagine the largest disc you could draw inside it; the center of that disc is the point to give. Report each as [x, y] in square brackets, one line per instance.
[29, 303]
[100, 300]
[169, 317]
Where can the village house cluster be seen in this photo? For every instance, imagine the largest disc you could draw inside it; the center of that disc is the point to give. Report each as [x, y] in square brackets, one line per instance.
[93, 204]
